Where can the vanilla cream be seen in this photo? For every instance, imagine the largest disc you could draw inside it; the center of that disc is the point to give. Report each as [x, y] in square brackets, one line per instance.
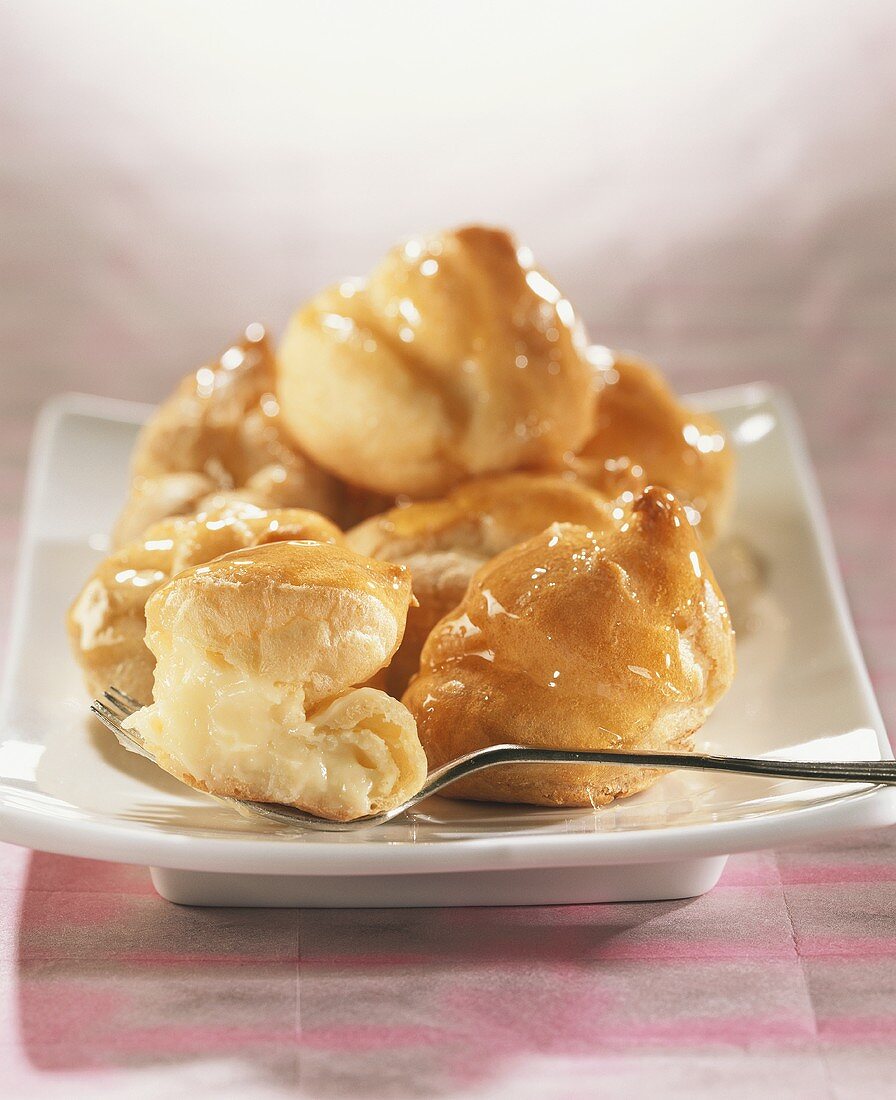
[234, 733]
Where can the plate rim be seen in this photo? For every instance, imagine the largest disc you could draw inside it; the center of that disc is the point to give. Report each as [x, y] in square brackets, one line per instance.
[136, 842]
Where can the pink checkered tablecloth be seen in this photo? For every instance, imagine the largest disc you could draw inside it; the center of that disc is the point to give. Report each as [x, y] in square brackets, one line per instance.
[716, 189]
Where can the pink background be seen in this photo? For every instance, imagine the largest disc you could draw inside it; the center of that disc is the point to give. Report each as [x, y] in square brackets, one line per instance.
[713, 185]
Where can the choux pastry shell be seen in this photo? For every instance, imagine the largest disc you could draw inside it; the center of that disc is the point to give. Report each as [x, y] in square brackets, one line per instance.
[106, 622]
[444, 542]
[220, 432]
[578, 640]
[642, 435]
[455, 358]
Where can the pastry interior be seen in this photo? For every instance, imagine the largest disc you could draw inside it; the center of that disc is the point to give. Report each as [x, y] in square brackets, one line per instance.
[258, 657]
[575, 639]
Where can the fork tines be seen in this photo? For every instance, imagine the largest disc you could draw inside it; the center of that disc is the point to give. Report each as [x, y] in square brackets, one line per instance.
[122, 701]
[112, 709]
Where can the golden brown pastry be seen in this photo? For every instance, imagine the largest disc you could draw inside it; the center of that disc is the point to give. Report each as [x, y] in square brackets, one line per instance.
[577, 640]
[444, 542]
[220, 432]
[455, 358]
[643, 436]
[106, 623]
[258, 654]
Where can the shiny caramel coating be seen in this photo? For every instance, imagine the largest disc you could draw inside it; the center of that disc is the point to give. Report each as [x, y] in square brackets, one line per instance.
[444, 542]
[575, 639]
[642, 435]
[221, 432]
[455, 358]
[106, 623]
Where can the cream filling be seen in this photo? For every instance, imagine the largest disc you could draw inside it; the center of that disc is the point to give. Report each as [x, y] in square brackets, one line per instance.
[248, 736]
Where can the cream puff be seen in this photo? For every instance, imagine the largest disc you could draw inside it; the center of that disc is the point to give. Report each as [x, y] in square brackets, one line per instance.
[220, 432]
[642, 435]
[106, 623]
[578, 640]
[457, 357]
[444, 542]
[258, 655]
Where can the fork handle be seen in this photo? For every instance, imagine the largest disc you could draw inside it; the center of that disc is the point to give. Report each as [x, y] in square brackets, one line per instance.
[836, 771]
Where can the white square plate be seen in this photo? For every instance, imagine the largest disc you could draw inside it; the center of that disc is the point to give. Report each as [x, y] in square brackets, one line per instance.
[801, 692]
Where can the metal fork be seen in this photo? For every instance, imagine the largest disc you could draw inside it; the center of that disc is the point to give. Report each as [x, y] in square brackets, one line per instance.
[116, 706]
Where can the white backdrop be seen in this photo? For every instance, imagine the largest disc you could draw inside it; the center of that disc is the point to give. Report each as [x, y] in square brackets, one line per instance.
[712, 183]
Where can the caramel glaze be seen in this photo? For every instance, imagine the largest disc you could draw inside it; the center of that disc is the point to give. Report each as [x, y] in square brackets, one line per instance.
[106, 623]
[576, 639]
[642, 435]
[455, 358]
[220, 433]
[313, 614]
[444, 542]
